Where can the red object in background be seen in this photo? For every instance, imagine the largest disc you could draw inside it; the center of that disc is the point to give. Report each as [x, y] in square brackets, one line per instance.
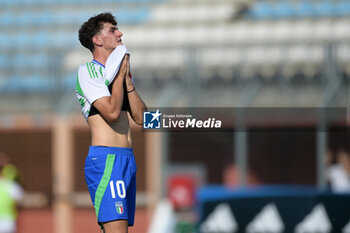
[181, 191]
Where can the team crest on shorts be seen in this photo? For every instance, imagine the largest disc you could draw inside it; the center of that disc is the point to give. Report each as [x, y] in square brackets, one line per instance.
[119, 207]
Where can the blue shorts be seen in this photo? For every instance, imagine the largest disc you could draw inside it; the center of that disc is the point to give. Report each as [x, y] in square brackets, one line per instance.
[110, 174]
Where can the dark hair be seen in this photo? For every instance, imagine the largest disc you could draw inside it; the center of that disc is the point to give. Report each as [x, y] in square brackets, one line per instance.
[93, 26]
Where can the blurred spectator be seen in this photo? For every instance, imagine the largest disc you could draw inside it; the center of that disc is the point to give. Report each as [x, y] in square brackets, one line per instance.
[338, 173]
[10, 193]
[231, 176]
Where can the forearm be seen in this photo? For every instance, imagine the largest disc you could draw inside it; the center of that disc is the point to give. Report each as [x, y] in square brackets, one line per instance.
[117, 97]
[137, 106]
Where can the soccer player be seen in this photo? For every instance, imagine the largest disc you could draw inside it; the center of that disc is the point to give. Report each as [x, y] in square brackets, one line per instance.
[10, 194]
[110, 165]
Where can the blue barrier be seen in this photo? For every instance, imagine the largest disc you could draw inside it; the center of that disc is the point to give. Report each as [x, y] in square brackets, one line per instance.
[293, 204]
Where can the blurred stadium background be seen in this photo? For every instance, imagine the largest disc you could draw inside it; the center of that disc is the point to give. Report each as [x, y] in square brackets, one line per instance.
[184, 53]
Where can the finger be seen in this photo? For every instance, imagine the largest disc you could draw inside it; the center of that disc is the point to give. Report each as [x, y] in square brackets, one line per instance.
[124, 62]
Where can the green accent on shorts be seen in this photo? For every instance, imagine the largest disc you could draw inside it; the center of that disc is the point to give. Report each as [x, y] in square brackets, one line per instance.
[102, 186]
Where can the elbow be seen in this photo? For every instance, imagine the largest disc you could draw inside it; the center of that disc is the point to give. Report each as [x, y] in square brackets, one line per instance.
[138, 121]
[113, 117]
[138, 118]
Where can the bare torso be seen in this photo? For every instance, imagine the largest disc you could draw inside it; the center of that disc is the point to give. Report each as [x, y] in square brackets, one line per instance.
[110, 134]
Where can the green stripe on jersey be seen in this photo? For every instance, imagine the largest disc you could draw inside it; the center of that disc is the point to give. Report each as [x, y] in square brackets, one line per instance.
[94, 69]
[101, 71]
[88, 67]
[78, 88]
[101, 189]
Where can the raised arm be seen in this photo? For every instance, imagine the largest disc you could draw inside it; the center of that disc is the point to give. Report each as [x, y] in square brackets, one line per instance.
[137, 106]
[110, 106]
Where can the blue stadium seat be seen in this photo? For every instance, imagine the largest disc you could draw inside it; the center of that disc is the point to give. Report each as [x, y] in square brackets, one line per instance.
[10, 84]
[6, 19]
[305, 9]
[55, 2]
[325, 8]
[69, 80]
[28, 83]
[139, 15]
[19, 61]
[3, 82]
[40, 61]
[4, 61]
[42, 18]
[282, 9]
[4, 41]
[62, 40]
[46, 18]
[8, 3]
[300, 9]
[342, 8]
[38, 83]
[29, 61]
[22, 40]
[261, 10]
[23, 19]
[42, 26]
[41, 40]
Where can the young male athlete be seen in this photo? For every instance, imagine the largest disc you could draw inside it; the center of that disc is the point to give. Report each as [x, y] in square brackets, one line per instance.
[110, 165]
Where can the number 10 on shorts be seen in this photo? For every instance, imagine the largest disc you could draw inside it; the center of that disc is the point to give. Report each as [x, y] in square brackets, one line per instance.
[120, 186]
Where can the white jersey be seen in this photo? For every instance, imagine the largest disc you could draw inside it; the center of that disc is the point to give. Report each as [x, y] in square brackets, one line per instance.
[90, 85]
[93, 79]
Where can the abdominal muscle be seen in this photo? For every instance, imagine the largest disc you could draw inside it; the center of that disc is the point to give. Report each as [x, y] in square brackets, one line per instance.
[116, 134]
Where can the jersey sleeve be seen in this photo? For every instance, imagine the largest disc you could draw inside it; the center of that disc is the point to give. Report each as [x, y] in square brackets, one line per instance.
[92, 85]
